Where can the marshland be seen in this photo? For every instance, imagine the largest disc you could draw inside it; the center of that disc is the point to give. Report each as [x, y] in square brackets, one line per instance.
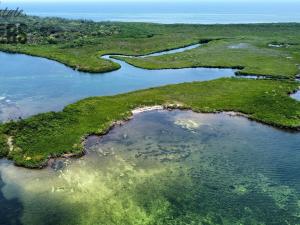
[220, 145]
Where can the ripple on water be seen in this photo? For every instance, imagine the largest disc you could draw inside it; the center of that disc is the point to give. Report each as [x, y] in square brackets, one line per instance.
[162, 168]
[50, 86]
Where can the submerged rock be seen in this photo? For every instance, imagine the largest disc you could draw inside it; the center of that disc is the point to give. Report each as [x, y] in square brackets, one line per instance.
[57, 165]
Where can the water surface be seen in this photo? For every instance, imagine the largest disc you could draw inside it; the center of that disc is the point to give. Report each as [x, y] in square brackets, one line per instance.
[296, 96]
[31, 85]
[165, 168]
[187, 11]
[174, 51]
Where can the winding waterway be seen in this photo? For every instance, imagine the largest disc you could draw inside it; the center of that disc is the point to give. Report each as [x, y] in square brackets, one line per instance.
[164, 167]
[31, 85]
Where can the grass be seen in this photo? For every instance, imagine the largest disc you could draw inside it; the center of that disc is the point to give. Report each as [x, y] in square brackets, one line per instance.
[79, 44]
[244, 54]
[87, 58]
[53, 134]
[72, 57]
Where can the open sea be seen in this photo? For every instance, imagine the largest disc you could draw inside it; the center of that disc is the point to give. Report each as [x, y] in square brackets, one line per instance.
[168, 12]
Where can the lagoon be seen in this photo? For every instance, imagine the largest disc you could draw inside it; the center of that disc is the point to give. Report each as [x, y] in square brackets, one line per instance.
[164, 167]
[31, 85]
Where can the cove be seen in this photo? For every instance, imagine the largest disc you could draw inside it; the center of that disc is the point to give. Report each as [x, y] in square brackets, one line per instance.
[31, 85]
[164, 167]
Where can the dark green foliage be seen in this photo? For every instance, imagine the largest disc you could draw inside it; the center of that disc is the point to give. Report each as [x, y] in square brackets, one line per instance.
[3, 145]
[39, 30]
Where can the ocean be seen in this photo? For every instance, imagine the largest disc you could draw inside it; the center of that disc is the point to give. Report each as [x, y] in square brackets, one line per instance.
[162, 12]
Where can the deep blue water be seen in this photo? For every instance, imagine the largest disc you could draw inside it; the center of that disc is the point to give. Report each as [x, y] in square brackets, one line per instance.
[172, 12]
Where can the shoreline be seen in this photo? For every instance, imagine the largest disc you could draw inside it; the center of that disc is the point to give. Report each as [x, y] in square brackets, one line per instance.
[238, 72]
[73, 67]
[138, 111]
[122, 57]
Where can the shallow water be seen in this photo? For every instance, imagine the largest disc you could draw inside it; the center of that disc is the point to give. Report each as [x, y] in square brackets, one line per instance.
[31, 85]
[174, 50]
[296, 96]
[164, 167]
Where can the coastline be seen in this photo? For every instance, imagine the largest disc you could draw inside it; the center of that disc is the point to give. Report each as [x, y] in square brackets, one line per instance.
[207, 97]
[137, 111]
[263, 100]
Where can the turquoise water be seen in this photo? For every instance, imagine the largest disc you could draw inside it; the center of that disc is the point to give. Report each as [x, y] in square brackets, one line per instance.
[31, 85]
[164, 167]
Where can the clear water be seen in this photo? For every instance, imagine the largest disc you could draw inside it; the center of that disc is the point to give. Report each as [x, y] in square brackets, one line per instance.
[174, 51]
[187, 11]
[296, 96]
[31, 85]
[164, 167]
[161, 167]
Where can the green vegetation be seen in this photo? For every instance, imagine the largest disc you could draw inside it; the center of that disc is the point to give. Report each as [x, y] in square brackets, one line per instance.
[126, 189]
[260, 49]
[53, 134]
[79, 43]
[3, 145]
[244, 54]
[83, 59]
[122, 188]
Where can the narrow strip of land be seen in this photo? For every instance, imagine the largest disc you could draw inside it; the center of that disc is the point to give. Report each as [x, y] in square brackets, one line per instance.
[53, 134]
[256, 49]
